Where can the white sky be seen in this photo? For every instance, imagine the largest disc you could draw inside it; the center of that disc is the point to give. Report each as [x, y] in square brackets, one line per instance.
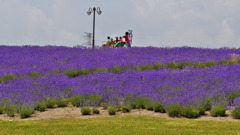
[161, 23]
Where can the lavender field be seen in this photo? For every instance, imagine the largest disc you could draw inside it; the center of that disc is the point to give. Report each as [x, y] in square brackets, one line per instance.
[183, 81]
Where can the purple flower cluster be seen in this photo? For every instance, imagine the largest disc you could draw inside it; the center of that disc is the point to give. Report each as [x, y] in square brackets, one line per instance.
[188, 86]
[20, 60]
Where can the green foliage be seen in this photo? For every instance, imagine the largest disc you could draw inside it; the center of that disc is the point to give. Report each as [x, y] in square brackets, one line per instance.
[95, 110]
[26, 111]
[51, 102]
[142, 102]
[157, 65]
[84, 72]
[200, 65]
[129, 99]
[115, 69]
[11, 109]
[2, 108]
[186, 63]
[190, 112]
[86, 111]
[149, 106]
[223, 61]
[158, 107]
[76, 99]
[101, 70]
[94, 98]
[146, 67]
[218, 110]
[34, 74]
[210, 63]
[104, 105]
[73, 72]
[235, 113]
[135, 68]
[112, 110]
[8, 77]
[62, 102]
[126, 108]
[173, 109]
[231, 95]
[231, 61]
[173, 65]
[40, 106]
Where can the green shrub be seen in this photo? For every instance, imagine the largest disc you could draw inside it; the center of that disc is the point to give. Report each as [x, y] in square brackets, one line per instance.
[51, 102]
[129, 99]
[135, 68]
[186, 63]
[190, 112]
[157, 65]
[95, 110]
[149, 106]
[173, 65]
[40, 106]
[231, 95]
[202, 110]
[112, 110]
[218, 110]
[236, 113]
[101, 70]
[26, 111]
[210, 63]
[158, 107]
[231, 61]
[62, 102]
[86, 111]
[33, 74]
[145, 67]
[142, 102]
[8, 77]
[94, 98]
[2, 108]
[126, 108]
[104, 105]
[72, 72]
[76, 99]
[173, 109]
[11, 110]
[115, 69]
[200, 65]
[223, 61]
[84, 72]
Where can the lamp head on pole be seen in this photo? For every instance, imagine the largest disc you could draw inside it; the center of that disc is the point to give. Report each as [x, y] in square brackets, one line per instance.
[89, 11]
[99, 11]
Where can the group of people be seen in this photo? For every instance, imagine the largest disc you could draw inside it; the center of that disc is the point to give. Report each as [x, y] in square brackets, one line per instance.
[118, 42]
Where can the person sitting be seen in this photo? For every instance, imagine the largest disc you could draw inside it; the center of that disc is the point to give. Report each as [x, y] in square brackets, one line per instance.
[120, 39]
[108, 41]
[116, 39]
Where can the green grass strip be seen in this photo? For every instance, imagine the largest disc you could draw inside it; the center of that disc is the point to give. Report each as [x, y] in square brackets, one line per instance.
[120, 125]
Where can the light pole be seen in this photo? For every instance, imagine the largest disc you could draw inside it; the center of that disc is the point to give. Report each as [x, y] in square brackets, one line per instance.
[89, 13]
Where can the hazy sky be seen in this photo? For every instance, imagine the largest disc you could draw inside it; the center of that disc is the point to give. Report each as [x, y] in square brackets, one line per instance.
[161, 23]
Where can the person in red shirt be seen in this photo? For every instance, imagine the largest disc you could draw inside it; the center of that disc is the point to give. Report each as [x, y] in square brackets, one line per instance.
[127, 42]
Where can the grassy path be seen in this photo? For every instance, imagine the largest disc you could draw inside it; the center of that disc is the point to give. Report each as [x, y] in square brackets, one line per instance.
[120, 125]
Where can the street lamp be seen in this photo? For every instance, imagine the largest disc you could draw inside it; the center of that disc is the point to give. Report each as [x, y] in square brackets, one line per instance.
[89, 13]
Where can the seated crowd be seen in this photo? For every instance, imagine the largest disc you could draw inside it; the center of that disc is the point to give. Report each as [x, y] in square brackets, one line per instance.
[118, 42]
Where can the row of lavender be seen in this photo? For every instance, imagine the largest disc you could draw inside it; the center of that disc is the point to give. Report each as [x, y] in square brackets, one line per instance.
[22, 60]
[197, 87]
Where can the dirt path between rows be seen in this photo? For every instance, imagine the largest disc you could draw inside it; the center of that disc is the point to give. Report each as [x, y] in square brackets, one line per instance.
[74, 112]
